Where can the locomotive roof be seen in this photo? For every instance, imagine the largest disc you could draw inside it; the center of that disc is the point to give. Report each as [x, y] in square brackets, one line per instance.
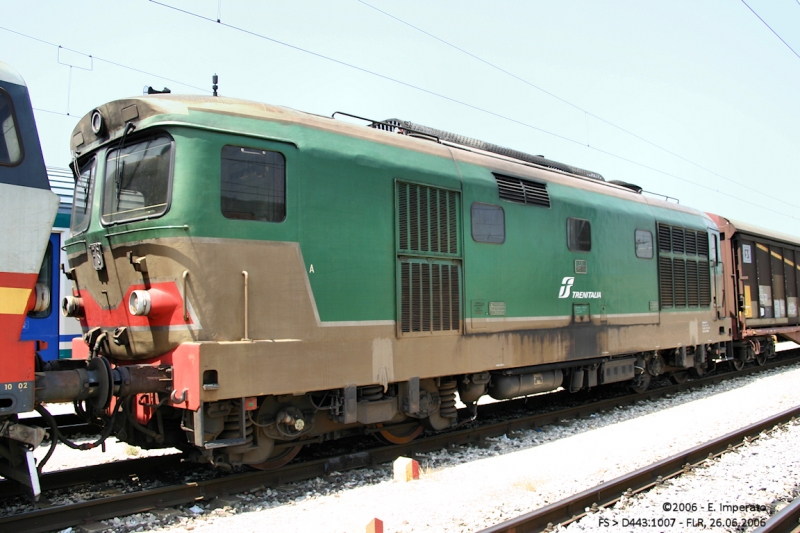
[168, 109]
[757, 231]
[9, 75]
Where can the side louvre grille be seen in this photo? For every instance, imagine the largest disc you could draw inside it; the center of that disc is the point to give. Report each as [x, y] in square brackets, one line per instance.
[430, 297]
[684, 282]
[522, 191]
[664, 238]
[702, 244]
[427, 220]
[677, 241]
[692, 283]
[679, 281]
[705, 284]
[665, 282]
[691, 242]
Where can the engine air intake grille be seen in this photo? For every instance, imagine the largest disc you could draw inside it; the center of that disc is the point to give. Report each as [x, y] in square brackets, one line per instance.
[430, 297]
[427, 220]
[683, 280]
[428, 260]
[522, 191]
[705, 285]
[664, 238]
[665, 282]
[702, 243]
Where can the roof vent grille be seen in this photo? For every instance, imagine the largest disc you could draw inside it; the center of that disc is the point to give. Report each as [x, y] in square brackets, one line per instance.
[522, 191]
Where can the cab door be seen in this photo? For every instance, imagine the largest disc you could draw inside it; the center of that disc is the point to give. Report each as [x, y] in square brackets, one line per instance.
[714, 257]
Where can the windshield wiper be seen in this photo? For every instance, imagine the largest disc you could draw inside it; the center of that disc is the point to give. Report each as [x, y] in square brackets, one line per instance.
[118, 178]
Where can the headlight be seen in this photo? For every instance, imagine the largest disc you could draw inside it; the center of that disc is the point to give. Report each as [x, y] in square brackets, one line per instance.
[42, 298]
[139, 303]
[98, 122]
[72, 306]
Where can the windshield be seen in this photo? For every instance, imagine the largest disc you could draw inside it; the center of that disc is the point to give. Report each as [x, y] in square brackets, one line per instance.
[82, 199]
[137, 180]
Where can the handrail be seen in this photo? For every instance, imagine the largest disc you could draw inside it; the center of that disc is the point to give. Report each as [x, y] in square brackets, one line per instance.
[246, 337]
[185, 297]
[184, 227]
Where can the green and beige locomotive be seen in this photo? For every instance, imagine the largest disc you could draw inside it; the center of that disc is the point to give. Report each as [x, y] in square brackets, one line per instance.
[251, 278]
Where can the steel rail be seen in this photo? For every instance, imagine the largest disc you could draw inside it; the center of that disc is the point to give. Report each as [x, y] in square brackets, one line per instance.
[71, 477]
[74, 514]
[786, 521]
[606, 494]
[68, 424]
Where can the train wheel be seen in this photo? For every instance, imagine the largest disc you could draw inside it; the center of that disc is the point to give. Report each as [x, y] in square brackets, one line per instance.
[279, 458]
[641, 382]
[401, 435]
[761, 359]
[736, 364]
[697, 371]
[679, 377]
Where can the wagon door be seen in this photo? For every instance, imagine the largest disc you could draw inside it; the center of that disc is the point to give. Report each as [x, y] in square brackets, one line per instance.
[429, 261]
[716, 271]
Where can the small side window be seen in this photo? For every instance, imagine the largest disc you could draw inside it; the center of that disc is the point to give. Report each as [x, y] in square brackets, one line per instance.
[579, 235]
[82, 197]
[10, 146]
[488, 223]
[644, 244]
[253, 184]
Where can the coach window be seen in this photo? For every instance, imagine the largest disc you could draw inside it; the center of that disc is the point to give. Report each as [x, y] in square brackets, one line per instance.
[10, 147]
[644, 244]
[82, 197]
[579, 235]
[137, 181]
[253, 184]
[488, 223]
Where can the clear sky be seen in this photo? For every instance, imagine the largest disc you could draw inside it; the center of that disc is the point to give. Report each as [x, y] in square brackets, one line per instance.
[703, 79]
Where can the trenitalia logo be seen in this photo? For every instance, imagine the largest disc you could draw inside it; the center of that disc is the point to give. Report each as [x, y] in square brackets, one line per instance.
[566, 289]
[566, 286]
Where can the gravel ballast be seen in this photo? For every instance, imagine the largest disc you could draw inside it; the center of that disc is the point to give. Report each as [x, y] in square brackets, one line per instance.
[469, 488]
[738, 491]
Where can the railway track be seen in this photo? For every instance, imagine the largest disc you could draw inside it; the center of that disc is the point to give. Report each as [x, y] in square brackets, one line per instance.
[607, 494]
[786, 521]
[46, 519]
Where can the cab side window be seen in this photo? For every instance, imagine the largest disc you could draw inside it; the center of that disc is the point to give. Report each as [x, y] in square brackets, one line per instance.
[253, 184]
[488, 223]
[82, 197]
[10, 146]
[579, 235]
[643, 240]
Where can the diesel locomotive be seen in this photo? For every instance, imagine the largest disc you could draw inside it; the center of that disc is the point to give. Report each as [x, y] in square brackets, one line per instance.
[250, 279]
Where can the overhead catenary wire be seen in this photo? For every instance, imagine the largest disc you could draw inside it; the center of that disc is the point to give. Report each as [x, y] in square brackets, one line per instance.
[770, 28]
[54, 112]
[96, 58]
[466, 104]
[586, 112]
